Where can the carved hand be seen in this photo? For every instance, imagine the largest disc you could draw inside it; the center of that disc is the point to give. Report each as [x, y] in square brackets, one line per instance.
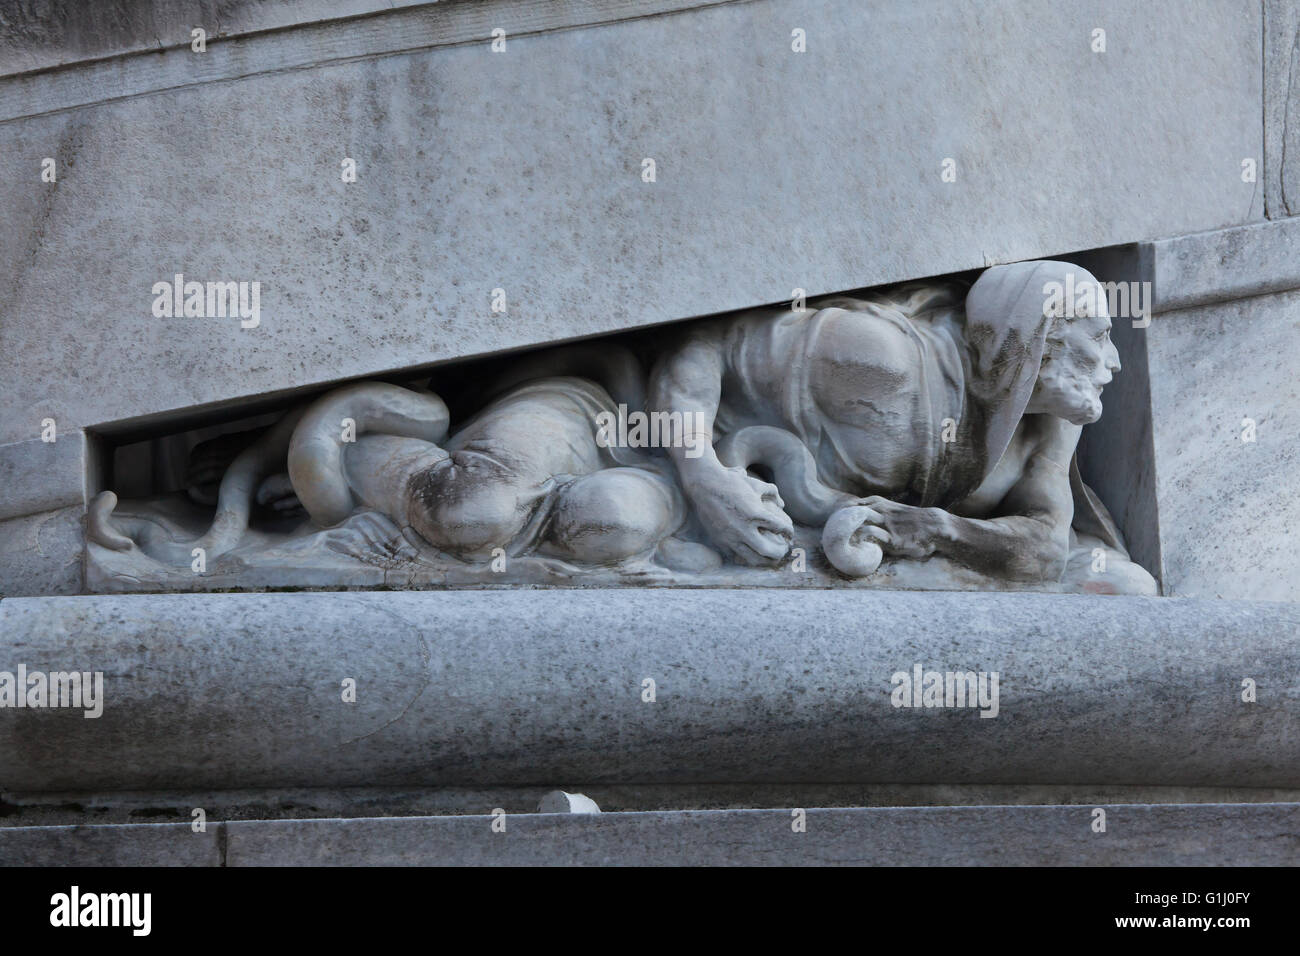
[913, 532]
[370, 537]
[209, 460]
[742, 514]
[276, 492]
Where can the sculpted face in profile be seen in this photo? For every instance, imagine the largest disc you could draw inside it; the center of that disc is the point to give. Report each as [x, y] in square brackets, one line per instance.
[929, 426]
[1078, 363]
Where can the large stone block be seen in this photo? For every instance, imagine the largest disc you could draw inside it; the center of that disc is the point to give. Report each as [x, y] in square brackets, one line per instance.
[1225, 393]
[60, 32]
[1224, 264]
[38, 476]
[1209, 835]
[1281, 108]
[523, 171]
[1135, 835]
[475, 688]
[42, 553]
[43, 495]
[139, 844]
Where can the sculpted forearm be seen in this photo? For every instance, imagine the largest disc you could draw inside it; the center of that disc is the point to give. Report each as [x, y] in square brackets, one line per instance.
[1019, 547]
[1030, 540]
[742, 514]
[690, 380]
[1026, 539]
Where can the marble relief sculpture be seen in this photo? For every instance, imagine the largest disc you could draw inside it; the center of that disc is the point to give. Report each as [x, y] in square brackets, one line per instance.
[921, 436]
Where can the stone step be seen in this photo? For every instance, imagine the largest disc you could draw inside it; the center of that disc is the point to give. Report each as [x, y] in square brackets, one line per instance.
[650, 686]
[1146, 835]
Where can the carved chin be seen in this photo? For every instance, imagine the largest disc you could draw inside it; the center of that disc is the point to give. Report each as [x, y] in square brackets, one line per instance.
[1087, 413]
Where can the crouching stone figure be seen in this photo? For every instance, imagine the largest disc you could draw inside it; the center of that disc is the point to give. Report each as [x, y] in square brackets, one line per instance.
[925, 421]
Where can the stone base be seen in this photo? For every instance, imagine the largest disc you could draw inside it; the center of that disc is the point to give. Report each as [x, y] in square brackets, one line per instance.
[1135, 835]
[536, 688]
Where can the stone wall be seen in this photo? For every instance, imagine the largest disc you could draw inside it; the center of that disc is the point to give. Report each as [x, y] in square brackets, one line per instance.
[521, 170]
[906, 141]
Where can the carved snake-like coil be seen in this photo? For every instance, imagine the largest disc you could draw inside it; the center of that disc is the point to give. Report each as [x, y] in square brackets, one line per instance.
[312, 441]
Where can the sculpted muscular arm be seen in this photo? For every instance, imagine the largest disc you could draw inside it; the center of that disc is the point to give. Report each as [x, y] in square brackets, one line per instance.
[742, 514]
[1028, 539]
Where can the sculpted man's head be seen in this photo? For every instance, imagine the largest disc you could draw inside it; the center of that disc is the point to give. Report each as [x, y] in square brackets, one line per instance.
[1041, 331]
[1079, 360]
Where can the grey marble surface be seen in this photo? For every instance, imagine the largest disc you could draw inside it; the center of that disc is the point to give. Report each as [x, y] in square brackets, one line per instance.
[42, 553]
[1228, 510]
[1281, 108]
[1224, 264]
[1161, 835]
[37, 475]
[775, 170]
[1254, 835]
[65, 808]
[140, 844]
[62, 32]
[546, 687]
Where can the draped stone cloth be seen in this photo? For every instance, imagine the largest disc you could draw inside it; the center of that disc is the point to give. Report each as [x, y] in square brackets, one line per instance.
[977, 355]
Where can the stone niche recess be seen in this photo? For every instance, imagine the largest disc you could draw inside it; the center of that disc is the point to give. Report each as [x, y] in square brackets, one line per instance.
[902, 436]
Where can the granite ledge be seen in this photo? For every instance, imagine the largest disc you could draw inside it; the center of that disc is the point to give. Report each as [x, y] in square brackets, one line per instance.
[534, 688]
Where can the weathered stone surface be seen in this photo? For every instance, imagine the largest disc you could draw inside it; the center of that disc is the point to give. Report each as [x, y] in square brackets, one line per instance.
[139, 844]
[1146, 835]
[1228, 514]
[37, 476]
[37, 36]
[1281, 108]
[540, 193]
[100, 39]
[58, 808]
[1206, 835]
[42, 553]
[543, 687]
[1226, 264]
[43, 493]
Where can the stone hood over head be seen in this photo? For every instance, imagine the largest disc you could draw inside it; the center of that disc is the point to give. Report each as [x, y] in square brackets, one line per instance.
[1006, 329]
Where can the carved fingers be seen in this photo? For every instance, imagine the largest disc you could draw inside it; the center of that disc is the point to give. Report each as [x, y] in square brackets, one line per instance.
[908, 531]
[744, 515]
[370, 537]
[276, 492]
[766, 531]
